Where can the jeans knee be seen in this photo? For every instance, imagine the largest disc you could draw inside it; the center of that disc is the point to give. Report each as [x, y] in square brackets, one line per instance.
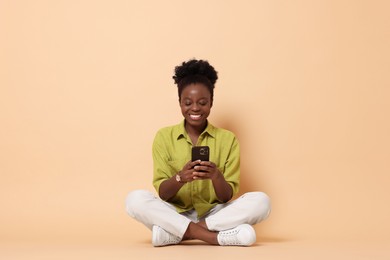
[135, 200]
[262, 204]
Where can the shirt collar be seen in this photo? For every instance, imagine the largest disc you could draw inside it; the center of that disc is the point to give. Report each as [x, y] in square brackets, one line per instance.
[181, 131]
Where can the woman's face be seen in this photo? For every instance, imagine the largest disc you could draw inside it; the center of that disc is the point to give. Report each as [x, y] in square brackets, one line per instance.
[195, 104]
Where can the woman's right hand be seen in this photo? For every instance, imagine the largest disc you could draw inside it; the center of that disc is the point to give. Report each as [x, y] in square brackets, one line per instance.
[186, 174]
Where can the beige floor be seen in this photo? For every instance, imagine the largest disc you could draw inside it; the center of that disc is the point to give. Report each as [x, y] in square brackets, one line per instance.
[140, 248]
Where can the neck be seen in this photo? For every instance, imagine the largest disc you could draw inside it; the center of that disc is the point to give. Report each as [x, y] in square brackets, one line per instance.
[195, 131]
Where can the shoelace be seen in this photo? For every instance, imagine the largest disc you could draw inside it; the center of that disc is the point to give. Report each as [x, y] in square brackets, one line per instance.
[172, 239]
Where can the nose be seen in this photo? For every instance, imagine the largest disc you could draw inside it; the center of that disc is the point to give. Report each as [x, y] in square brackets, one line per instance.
[195, 107]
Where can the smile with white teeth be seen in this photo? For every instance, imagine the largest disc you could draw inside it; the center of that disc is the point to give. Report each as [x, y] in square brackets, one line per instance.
[195, 117]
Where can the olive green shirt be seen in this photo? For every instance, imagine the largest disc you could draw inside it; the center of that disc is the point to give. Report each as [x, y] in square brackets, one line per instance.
[172, 150]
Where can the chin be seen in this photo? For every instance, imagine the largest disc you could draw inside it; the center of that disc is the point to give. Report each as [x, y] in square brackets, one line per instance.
[195, 122]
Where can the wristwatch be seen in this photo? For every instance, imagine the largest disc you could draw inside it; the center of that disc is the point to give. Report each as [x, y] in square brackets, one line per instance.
[178, 178]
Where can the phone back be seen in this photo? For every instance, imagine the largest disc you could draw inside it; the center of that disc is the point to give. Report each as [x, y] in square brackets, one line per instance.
[200, 153]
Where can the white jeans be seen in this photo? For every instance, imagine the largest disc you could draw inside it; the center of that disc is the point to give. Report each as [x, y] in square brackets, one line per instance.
[144, 206]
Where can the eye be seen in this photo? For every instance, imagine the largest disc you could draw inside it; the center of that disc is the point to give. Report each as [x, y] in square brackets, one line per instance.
[203, 102]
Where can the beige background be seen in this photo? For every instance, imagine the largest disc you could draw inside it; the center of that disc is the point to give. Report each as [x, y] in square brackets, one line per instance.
[84, 86]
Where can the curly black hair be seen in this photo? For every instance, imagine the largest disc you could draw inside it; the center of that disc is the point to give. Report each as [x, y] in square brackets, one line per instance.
[195, 71]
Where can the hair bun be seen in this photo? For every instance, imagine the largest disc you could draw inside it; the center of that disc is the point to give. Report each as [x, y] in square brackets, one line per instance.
[195, 67]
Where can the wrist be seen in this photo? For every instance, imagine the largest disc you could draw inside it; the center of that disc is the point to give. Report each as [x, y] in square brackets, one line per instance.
[178, 178]
[218, 176]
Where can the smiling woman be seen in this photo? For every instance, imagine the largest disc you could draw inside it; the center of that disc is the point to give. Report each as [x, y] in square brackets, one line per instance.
[194, 196]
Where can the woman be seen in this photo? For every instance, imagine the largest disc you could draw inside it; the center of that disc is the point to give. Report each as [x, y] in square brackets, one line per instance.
[193, 197]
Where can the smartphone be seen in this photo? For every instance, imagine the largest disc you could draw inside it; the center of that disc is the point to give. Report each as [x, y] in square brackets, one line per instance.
[200, 153]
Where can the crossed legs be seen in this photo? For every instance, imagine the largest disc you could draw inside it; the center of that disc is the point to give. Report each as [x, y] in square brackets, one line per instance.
[250, 208]
[200, 231]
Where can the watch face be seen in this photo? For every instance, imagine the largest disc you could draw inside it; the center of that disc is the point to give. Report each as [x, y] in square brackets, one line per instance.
[178, 178]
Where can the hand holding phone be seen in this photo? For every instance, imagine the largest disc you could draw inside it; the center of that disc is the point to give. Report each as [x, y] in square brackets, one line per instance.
[205, 169]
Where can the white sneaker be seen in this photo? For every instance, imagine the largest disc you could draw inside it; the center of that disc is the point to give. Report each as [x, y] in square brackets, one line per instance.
[160, 237]
[242, 235]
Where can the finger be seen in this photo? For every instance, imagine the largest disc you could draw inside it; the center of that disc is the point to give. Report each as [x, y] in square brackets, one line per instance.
[189, 165]
[197, 162]
[199, 178]
[208, 163]
[199, 174]
[202, 168]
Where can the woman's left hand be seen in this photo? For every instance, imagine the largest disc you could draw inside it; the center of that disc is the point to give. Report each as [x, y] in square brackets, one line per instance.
[206, 170]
